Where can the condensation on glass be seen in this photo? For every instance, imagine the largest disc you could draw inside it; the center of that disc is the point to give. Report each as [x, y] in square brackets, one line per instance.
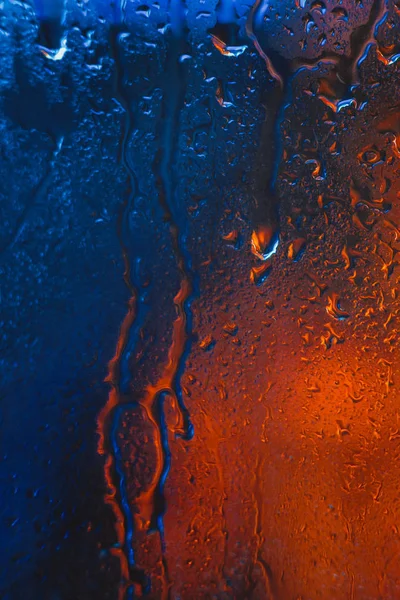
[200, 206]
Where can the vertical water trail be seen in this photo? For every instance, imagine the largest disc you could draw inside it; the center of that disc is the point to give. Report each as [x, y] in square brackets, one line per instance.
[150, 504]
[119, 11]
[107, 448]
[174, 93]
[108, 417]
[261, 6]
[365, 35]
[174, 88]
[128, 517]
[258, 501]
[283, 70]
[266, 213]
[51, 34]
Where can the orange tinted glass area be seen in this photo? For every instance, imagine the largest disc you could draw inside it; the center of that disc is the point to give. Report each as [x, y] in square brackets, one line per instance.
[254, 452]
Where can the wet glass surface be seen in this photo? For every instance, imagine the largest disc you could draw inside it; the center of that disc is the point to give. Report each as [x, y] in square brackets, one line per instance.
[199, 241]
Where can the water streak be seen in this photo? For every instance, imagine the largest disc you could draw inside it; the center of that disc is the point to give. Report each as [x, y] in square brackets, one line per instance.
[107, 419]
[150, 504]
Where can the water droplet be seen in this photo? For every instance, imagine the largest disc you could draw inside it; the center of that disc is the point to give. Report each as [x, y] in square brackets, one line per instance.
[264, 242]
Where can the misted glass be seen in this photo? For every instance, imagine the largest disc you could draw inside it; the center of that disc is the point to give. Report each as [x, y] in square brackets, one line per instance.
[199, 301]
